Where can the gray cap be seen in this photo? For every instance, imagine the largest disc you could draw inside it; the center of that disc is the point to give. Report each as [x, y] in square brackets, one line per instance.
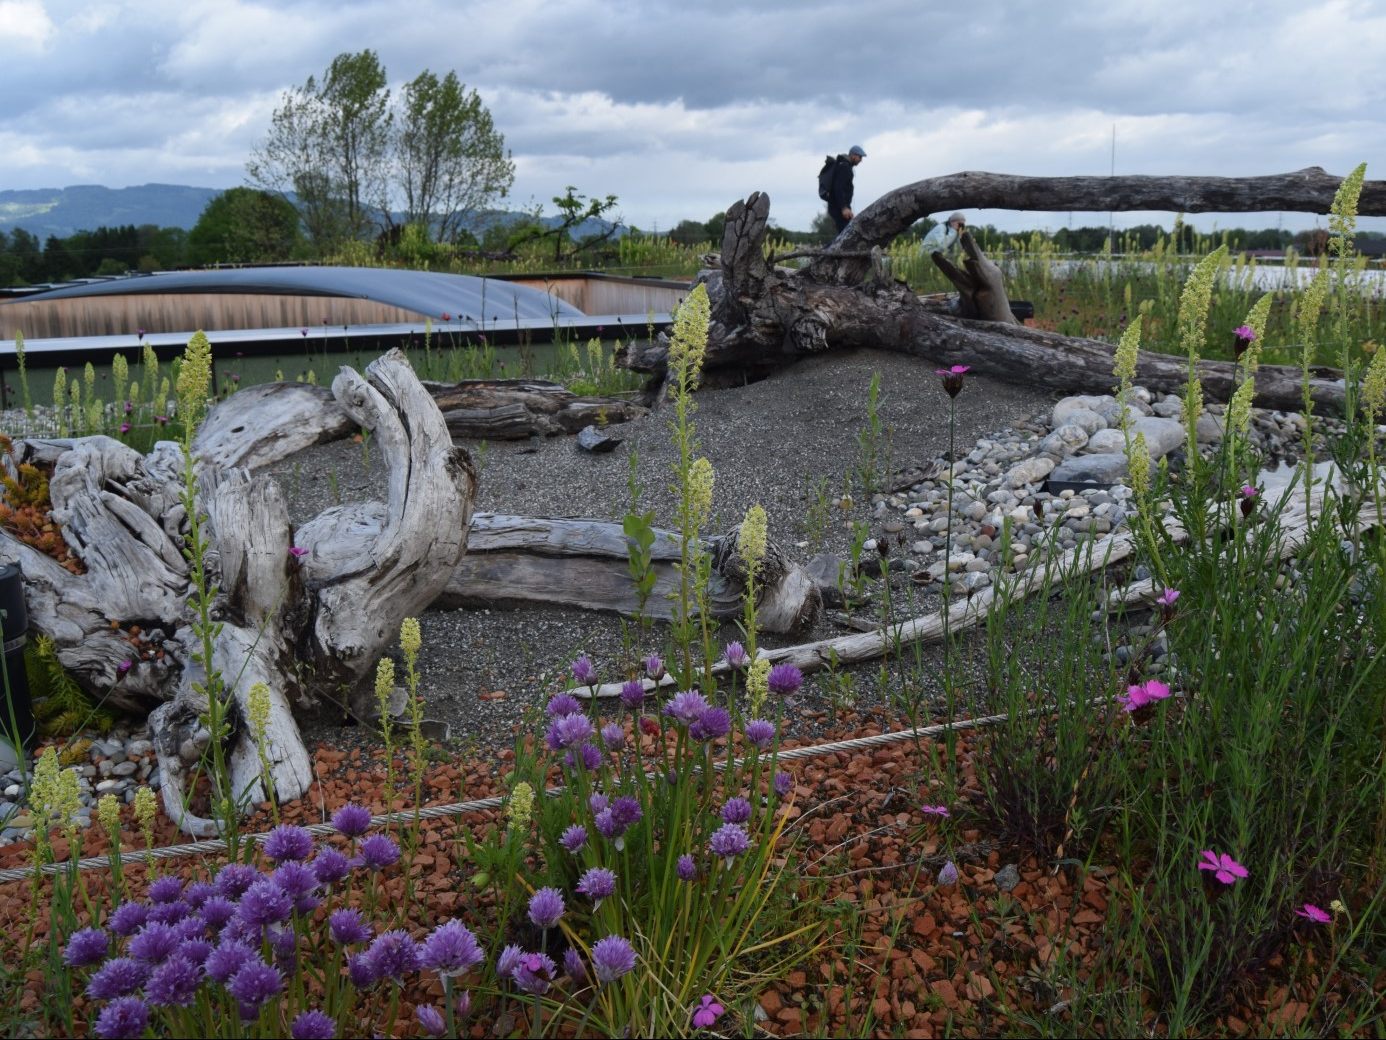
[955, 216]
[857, 149]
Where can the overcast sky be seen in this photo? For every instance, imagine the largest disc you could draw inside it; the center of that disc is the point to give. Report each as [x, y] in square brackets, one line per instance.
[680, 107]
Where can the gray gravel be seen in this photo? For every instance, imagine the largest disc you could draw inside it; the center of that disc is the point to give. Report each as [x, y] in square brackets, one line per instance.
[790, 443]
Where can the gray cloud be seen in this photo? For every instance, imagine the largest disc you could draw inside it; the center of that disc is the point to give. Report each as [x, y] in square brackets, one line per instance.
[681, 108]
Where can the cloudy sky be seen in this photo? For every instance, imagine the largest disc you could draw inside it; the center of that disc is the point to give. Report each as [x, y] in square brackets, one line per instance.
[680, 108]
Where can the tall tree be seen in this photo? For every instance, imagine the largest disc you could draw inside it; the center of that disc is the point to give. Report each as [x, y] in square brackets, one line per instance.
[327, 149]
[245, 225]
[451, 161]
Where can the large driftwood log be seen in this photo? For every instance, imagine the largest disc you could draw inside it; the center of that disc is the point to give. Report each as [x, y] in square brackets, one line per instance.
[306, 625]
[520, 560]
[764, 318]
[513, 409]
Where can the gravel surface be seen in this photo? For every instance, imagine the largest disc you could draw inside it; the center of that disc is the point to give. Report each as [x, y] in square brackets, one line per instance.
[790, 443]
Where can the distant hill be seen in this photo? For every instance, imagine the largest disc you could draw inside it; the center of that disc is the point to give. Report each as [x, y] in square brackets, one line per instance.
[85, 207]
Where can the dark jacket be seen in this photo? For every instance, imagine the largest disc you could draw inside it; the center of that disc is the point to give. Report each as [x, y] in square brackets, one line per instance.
[840, 195]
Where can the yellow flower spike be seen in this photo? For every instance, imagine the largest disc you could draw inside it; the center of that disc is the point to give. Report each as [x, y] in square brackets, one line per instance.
[1374, 385]
[384, 680]
[108, 812]
[410, 638]
[1127, 351]
[520, 808]
[1342, 219]
[751, 539]
[1138, 461]
[689, 342]
[758, 683]
[144, 814]
[194, 381]
[258, 708]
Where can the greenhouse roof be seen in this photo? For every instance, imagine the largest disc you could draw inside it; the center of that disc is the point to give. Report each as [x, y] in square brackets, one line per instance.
[428, 293]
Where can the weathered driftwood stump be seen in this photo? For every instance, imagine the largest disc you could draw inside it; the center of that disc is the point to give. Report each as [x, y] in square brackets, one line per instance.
[306, 625]
[765, 318]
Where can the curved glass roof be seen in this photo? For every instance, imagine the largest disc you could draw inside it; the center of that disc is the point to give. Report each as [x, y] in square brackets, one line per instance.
[428, 293]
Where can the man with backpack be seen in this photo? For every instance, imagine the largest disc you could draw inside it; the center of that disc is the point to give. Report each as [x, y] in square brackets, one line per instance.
[835, 185]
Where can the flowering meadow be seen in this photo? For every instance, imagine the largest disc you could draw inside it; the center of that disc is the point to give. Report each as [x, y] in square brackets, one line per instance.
[1186, 842]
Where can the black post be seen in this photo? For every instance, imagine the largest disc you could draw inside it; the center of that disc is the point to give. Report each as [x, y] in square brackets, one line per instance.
[16, 713]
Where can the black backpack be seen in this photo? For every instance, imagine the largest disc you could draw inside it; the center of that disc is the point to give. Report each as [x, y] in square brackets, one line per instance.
[825, 177]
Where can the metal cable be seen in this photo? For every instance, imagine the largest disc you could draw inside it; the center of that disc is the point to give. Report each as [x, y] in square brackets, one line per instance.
[433, 812]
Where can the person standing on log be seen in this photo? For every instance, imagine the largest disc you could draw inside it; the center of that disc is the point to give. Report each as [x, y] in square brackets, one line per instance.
[943, 238]
[840, 194]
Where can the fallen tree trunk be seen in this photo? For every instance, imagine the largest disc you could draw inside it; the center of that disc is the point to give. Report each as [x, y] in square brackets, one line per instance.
[307, 613]
[764, 318]
[519, 560]
[513, 409]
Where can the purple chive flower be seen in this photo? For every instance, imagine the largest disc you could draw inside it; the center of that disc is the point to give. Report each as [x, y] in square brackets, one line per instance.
[546, 907]
[948, 873]
[463, 1006]
[451, 949]
[728, 841]
[573, 966]
[128, 918]
[265, 903]
[255, 984]
[686, 868]
[736, 810]
[708, 1011]
[165, 890]
[284, 943]
[563, 704]
[613, 736]
[234, 879]
[1224, 867]
[195, 950]
[534, 973]
[760, 733]
[784, 679]
[191, 927]
[118, 977]
[330, 866]
[588, 756]
[508, 961]
[584, 671]
[1317, 914]
[626, 811]
[127, 1017]
[431, 1019]
[237, 930]
[169, 913]
[300, 884]
[783, 784]
[361, 971]
[633, 694]
[568, 731]
[934, 810]
[348, 927]
[217, 911]
[352, 821]
[174, 983]
[606, 824]
[154, 943]
[953, 378]
[226, 960]
[197, 893]
[686, 706]
[574, 838]
[612, 957]
[287, 842]
[735, 655]
[1141, 694]
[597, 802]
[654, 666]
[712, 724]
[394, 954]
[379, 852]
[597, 884]
[86, 947]
[313, 1025]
